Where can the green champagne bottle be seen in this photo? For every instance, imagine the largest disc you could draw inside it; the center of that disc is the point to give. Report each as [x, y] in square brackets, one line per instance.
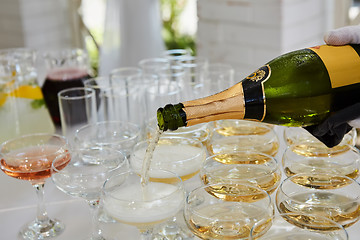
[300, 88]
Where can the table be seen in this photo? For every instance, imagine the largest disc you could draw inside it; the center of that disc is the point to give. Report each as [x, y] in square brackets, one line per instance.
[18, 206]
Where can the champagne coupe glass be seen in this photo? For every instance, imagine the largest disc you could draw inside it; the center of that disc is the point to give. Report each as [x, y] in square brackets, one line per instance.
[230, 135]
[129, 202]
[306, 144]
[116, 134]
[85, 175]
[235, 167]
[292, 226]
[201, 132]
[337, 198]
[29, 157]
[344, 163]
[226, 211]
[180, 155]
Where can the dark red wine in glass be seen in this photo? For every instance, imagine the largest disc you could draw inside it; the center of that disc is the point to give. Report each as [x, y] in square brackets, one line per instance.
[60, 79]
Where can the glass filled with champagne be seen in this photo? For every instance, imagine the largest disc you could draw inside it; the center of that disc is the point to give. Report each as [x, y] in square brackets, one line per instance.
[238, 135]
[201, 132]
[238, 167]
[337, 199]
[286, 226]
[306, 144]
[180, 155]
[345, 163]
[126, 200]
[213, 216]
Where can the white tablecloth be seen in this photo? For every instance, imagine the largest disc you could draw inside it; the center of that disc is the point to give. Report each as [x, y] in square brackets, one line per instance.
[18, 206]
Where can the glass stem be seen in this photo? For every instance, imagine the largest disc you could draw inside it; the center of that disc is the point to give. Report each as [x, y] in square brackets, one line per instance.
[94, 212]
[41, 210]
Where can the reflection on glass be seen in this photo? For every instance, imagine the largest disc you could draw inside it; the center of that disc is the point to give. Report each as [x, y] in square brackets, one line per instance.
[337, 199]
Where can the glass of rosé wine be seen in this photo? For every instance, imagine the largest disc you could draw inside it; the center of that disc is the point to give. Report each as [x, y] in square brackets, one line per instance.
[29, 157]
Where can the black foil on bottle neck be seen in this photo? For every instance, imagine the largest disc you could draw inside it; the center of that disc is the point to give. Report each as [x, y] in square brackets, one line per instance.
[254, 95]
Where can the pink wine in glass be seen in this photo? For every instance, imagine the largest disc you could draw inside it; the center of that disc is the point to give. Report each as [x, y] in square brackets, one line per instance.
[33, 163]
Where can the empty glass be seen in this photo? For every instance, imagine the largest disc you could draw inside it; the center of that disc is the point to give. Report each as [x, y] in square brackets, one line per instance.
[176, 55]
[85, 175]
[196, 69]
[99, 84]
[154, 65]
[124, 100]
[116, 134]
[77, 108]
[219, 77]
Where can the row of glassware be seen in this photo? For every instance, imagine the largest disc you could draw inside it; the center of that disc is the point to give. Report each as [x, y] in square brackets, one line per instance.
[236, 180]
[231, 198]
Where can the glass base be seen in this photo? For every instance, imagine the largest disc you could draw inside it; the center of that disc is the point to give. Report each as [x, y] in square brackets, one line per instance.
[172, 230]
[42, 230]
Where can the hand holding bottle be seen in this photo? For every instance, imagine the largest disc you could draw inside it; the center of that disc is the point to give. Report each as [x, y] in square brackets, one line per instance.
[333, 129]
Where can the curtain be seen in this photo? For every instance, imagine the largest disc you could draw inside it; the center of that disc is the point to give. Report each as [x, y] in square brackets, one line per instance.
[132, 32]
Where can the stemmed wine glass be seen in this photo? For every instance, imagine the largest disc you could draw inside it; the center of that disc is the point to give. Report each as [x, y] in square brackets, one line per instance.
[130, 202]
[249, 167]
[30, 157]
[291, 226]
[85, 175]
[226, 211]
[333, 196]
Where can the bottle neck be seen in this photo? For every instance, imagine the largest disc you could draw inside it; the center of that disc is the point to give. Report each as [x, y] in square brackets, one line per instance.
[228, 104]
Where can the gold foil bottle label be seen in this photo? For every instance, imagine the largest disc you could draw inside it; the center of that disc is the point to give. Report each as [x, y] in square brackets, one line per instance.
[341, 62]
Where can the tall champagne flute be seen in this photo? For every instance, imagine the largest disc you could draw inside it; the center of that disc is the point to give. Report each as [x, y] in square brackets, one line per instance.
[85, 175]
[29, 157]
[129, 202]
[226, 213]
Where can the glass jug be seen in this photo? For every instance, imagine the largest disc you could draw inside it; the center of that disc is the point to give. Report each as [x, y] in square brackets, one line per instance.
[22, 106]
[66, 68]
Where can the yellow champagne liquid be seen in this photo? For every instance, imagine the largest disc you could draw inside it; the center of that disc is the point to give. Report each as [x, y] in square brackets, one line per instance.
[258, 175]
[236, 192]
[321, 166]
[182, 159]
[242, 158]
[338, 208]
[226, 220]
[267, 144]
[317, 149]
[321, 181]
